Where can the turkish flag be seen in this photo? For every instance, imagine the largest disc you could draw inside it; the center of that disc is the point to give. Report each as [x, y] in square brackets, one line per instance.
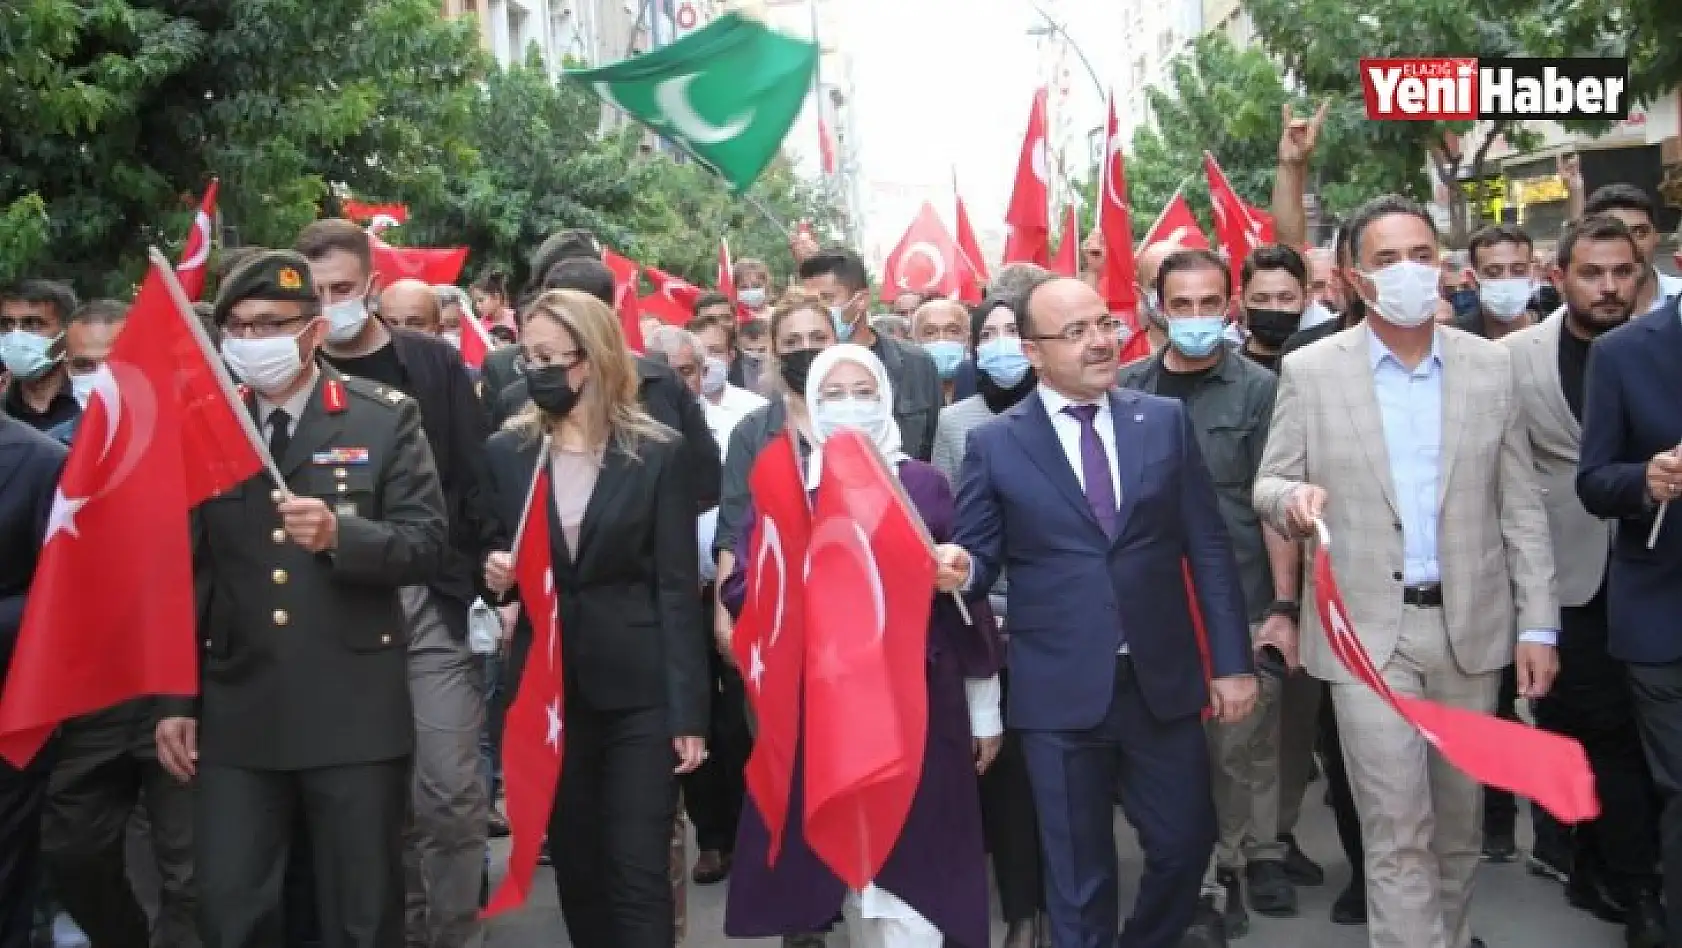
[770, 638]
[1549, 769]
[826, 145]
[1067, 261]
[438, 267]
[625, 299]
[1030, 222]
[926, 261]
[476, 343]
[871, 587]
[532, 736]
[1239, 233]
[1264, 224]
[102, 625]
[379, 215]
[1177, 225]
[677, 297]
[191, 270]
[971, 250]
[726, 279]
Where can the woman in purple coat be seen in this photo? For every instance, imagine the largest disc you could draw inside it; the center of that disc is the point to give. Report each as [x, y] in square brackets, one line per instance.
[933, 888]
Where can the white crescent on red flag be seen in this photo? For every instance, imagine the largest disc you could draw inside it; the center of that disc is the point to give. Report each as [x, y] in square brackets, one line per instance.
[1028, 214]
[1177, 225]
[926, 260]
[195, 256]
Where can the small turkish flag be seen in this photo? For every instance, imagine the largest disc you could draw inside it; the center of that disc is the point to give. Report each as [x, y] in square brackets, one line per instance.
[476, 343]
[926, 261]
[1067, 261]
[532, 736]
[673, 299]
[871, 587]
[1177, 225]
[1240, 233]
[191, 270]
[726, 280]
[1029, 220]
[625, 299]
[102, 625]
[437, 266]
[770, 638]
[970, 248]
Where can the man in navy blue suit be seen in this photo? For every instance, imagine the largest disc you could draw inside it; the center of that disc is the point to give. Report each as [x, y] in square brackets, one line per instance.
[1629, 469]
[1095, 500]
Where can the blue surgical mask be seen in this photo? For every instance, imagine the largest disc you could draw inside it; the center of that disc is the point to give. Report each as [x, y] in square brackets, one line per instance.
[838, 319]
[1001, 359]
[25, 354]
[946, 355]
[1195, 337]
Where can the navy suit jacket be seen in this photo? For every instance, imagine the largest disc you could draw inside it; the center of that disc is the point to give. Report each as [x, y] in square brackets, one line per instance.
[30, 463]
[1073, 589]
[1632, 410]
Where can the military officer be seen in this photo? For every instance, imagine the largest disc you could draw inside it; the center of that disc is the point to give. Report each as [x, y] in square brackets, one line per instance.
[303, 715]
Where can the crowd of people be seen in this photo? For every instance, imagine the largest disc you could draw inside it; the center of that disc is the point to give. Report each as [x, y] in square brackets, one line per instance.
[1493, 434]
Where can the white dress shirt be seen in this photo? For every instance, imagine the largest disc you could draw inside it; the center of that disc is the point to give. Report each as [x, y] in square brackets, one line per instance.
[1068, 430]
[733, 405]
[294, 408]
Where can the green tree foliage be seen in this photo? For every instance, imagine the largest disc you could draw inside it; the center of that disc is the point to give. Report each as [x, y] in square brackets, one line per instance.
[117, 114]
[542, 169]
[1644, 30]
[1230, 102]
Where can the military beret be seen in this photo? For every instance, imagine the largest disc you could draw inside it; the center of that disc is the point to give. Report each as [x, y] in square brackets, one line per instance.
[280, 275]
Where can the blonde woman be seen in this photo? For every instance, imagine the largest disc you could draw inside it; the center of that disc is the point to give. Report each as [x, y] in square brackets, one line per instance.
[622, 522]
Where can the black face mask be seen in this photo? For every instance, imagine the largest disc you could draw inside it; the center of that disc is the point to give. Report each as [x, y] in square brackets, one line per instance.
[1272, 327]
[550, 391]
[796, 366]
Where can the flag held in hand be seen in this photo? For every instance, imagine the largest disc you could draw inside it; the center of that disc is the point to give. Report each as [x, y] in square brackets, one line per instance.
[727, 92]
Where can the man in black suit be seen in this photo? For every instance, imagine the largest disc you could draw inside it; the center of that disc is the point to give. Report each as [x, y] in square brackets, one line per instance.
[30, 463]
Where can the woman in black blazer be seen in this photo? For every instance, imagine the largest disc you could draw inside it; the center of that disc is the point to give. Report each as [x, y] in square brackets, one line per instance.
[622, 527]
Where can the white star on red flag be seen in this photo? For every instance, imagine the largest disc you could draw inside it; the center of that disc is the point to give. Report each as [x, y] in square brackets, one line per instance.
[553, 710]
[63, 515]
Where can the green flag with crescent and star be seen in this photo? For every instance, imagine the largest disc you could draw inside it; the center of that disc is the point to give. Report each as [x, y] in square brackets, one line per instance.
[727, 92]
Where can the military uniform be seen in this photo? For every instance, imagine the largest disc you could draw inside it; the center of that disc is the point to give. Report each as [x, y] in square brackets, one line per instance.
[303, 714]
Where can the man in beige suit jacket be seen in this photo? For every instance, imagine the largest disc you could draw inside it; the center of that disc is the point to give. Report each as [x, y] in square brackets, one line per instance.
[1611, 860]
[1405, 439]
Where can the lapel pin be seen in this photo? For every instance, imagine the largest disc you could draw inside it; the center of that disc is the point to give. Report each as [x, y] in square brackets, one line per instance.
[1138, 417]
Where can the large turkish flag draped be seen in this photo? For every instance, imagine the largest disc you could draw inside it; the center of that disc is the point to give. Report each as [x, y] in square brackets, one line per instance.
[194, 257]
[770, 638]
[437, 266]
[1028, 217]
[926, 260]
[1177, 225]
[673, 299]
[110, 614]
[867, 626]
[1239, 233]
[532, 737]
[1549, 769]
[625, 299]
[971, 249]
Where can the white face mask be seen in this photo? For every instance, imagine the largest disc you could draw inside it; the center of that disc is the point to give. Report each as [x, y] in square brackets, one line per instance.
[345, 319]
[865, 414]
[714, 375]
[1407, 293]
[267, 365]
[752, 297]
[1506, 299]
[81, 387]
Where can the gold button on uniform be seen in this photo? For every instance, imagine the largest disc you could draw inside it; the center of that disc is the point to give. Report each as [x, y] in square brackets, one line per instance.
[279, 536]
[280, 577]
[385, 640]
[339, 472]
[280, 617]
[342, 486]
[206, 643]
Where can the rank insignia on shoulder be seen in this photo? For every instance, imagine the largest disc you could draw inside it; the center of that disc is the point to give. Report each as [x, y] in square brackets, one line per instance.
[340, 457]
[333, 396]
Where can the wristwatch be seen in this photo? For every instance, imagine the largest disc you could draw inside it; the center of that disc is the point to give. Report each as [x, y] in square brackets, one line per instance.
[1288, 608]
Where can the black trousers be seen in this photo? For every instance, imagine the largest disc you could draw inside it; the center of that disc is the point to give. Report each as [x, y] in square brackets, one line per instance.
[23, 795]
[1657, 690]
[712, 795]
[1337, 787]
[1500, 809]
[244, 833]
[107, 765]
[1011, 829]
[610, 832]
[1591, 701]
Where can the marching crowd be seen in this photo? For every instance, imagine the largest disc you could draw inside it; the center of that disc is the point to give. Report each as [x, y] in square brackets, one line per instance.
[1493, 436]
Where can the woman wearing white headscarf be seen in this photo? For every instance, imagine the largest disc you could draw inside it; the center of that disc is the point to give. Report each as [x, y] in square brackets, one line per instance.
[933, 888]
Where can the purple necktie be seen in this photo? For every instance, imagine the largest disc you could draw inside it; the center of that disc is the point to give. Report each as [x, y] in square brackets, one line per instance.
[1095, 467]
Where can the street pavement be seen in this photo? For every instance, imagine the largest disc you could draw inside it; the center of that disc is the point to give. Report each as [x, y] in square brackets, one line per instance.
[1512, 908]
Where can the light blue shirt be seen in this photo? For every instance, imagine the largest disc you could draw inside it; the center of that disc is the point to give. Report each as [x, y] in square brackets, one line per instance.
[1411, 407]
[1669, 287]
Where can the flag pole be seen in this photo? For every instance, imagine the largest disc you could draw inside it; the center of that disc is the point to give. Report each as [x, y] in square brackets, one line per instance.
[184, 309]
[525, 508]
[1164, 212]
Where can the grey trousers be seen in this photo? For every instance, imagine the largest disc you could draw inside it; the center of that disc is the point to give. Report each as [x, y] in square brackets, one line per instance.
[444, 842]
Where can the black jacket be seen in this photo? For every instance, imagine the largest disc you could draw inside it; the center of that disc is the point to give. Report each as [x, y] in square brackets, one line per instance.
[456, 429]
[30, 463]
[499, 371]
[668, 401]
[631, 627]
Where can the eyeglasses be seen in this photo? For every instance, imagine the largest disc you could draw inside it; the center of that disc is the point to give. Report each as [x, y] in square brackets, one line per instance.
[544, 359]
[1082, 331]
[262, 328]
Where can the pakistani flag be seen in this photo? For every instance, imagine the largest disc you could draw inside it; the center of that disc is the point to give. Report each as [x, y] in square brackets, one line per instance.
[727, 92]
